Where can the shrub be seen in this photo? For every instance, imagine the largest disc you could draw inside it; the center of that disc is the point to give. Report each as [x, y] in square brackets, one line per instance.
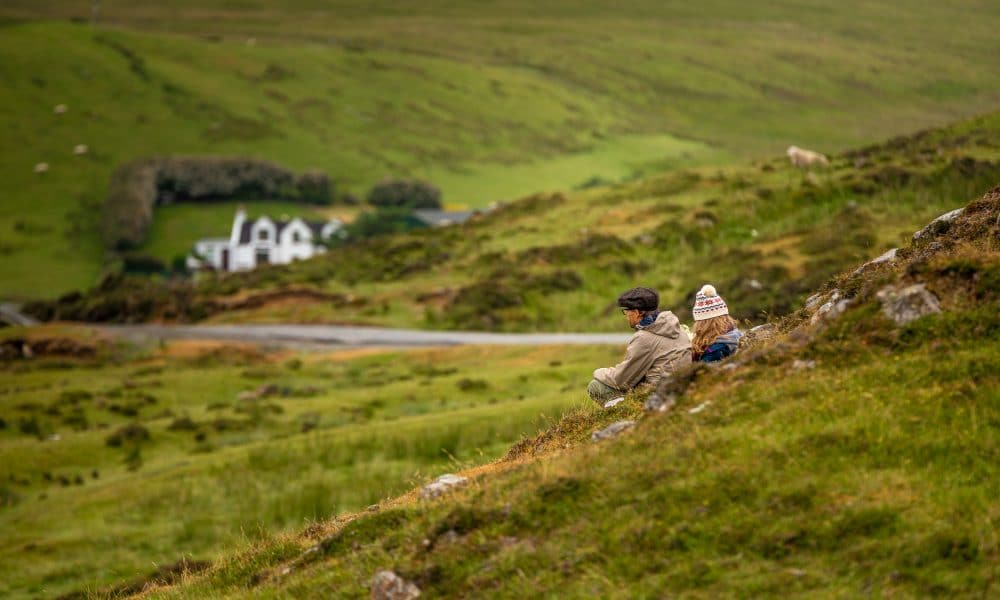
[138, 186]
[314, 187]
[402, 193]
[133, 433]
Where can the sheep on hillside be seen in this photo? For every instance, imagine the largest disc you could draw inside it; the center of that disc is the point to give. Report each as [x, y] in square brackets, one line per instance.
[80, 149]
[806, 158]
[42, 167]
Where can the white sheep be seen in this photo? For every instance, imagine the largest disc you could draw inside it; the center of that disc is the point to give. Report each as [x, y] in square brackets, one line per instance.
[80, 149]
[60, 109]
[806, 158]
[42, 167]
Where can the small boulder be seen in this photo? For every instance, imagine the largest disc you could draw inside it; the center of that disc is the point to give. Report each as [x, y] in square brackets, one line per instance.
[800, 365]
[614, 402]
[700, 407]
[888, 256]
[442, 485]
[938, 225]
[386, 585]
[612, 431]
[654, 403]
[908, 303]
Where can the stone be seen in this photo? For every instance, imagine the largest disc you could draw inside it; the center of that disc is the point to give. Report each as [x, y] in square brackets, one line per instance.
[936, 226]
[614, 402]
[832, 309]
[888, 256]
[908, 303]
[799, 364]
[442, 485]
[654, 403]
[612, 431]
[700, 407]
[386, 585]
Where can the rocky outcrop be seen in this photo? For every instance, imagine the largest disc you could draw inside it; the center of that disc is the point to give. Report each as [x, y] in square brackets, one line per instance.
[442, 485]
[938, 225]
[386, 585]
[909, 303]
[612, 431]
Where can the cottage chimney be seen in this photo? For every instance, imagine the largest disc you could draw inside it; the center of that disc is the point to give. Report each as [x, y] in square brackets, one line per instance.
[238, 220]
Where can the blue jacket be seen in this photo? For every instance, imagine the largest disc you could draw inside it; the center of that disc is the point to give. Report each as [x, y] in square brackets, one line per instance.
[723, 346]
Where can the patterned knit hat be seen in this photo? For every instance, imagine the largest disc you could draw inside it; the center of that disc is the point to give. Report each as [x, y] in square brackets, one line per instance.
[708, 303]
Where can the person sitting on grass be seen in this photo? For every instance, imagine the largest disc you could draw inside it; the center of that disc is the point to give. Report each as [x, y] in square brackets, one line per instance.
[715, 333]
[658, 346]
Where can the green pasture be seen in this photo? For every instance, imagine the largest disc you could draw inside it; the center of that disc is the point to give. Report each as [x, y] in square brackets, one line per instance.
[491, 103]
[341, 434]
[851, 459]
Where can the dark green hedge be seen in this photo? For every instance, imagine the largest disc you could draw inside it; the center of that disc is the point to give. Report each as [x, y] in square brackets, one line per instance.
[138, 186]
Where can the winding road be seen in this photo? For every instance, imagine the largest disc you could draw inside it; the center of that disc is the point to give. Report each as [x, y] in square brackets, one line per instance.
[327, 336]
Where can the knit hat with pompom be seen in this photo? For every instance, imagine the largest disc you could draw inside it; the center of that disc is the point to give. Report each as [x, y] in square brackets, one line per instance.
[708, 303]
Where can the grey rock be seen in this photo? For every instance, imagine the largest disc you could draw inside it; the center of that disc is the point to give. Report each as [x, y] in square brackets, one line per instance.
[832, 308]
[800, 365]
[907, 304]
[386, 585]
[442, 485]
[611, 431]
[700, 407]
[811, 302]
[654, 403]
[937, 225]
[614, 402]
[888, 256]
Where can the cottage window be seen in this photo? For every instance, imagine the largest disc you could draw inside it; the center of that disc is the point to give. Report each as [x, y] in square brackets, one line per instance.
[263, 257]
[262, 235]
[296, 237]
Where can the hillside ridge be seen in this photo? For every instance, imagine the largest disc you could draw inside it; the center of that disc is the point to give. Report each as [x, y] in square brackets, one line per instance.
[956, 257]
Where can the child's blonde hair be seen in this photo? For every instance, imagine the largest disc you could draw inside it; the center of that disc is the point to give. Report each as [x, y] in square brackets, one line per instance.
[707, 331]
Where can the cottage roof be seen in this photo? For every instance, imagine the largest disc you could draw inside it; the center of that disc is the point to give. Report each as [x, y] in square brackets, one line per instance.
[314, 226]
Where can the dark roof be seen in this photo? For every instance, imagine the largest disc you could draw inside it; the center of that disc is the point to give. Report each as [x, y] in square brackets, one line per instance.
[443, 217]
[315, 226]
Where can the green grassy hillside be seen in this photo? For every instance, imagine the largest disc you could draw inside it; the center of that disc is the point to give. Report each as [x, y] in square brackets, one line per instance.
[766, 234]
[489, 102]
[335, 434]
[848, 456]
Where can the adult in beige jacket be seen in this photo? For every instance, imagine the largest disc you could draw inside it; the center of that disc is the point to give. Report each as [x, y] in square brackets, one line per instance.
[659, 346]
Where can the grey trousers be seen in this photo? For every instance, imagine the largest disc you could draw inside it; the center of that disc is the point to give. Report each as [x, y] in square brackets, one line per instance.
[601, 393]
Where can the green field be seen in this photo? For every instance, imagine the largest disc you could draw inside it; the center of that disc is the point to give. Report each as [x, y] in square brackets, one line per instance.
[341, 433]
[849, 458]
[490, 102]
[766, 234]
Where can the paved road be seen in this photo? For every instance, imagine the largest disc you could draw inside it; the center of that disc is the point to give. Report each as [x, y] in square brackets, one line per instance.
[331, 335]
[11, 313]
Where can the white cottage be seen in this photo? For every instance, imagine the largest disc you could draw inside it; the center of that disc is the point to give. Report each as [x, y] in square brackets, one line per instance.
[262, 241]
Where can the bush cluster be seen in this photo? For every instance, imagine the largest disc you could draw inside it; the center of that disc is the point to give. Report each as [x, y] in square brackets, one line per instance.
[402, 193]
[138, 186]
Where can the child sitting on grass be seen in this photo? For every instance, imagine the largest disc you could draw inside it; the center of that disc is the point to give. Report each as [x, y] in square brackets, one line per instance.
[715, 333]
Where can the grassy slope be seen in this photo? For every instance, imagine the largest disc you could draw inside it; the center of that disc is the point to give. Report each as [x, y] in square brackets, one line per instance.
[766, 235]
[873, 473]
[383, 421]
[489, 102]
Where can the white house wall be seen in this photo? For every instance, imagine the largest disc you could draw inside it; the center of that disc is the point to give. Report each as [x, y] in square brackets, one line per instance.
[282, 249]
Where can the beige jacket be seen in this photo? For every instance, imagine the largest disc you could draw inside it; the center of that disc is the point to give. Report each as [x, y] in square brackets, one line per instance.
[654, 350]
